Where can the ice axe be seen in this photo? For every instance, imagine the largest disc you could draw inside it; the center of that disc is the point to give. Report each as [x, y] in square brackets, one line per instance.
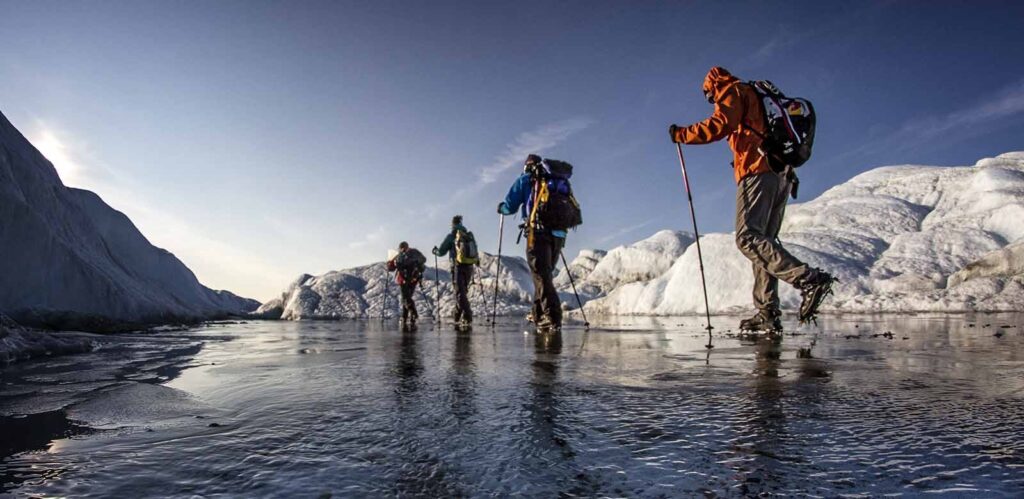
[696, 235]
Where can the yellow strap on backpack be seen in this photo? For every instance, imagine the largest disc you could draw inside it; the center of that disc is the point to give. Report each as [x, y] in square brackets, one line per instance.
[541, 195]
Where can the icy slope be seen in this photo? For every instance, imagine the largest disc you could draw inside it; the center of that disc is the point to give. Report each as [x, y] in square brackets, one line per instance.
[893, 235]
[67, 258]
[360, 292]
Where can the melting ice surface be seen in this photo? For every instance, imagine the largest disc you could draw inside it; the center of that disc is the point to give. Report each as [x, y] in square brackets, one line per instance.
[639, 408]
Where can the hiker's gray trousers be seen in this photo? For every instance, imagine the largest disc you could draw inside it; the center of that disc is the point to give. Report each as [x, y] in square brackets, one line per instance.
[760, 205]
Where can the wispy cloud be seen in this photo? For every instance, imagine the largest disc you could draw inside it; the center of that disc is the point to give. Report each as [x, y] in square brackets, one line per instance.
[373, 237]
[956, 125]
[533, 142]
[536, 141]
[1008, 102]
[624, 231]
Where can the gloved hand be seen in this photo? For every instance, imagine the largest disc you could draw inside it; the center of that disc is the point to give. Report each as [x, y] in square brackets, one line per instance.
[434, 251]
[673, 132]
[502, 209]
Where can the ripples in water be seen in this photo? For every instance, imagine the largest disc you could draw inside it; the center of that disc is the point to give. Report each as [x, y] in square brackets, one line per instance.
[636, 409]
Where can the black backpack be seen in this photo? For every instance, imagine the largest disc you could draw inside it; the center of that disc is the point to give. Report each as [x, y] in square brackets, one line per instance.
[411, 264]
[788, 124]
[556, 206]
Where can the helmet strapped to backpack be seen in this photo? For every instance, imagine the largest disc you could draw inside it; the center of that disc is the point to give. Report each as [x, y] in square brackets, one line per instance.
[789, 126]
[554, 205]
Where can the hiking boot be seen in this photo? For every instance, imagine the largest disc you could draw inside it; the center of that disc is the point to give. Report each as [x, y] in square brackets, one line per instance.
[814, 291]
[546, 325]
[764, 320]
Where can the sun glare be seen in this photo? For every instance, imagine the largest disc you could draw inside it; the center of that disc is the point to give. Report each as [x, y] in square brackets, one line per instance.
[54, 150]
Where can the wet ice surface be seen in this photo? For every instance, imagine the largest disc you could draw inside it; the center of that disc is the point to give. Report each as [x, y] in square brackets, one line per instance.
[634, 409]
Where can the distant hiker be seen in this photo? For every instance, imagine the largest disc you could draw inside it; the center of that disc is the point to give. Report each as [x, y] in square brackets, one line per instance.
[763, 165]
[548, 209]
[461, 246]
[410, 264]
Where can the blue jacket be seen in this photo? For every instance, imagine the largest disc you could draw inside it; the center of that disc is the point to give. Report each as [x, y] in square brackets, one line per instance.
[520, 197]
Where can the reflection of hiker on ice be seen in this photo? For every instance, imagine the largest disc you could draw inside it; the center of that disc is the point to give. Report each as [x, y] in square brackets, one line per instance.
[409, 264]
[770, 135]
[461, 246]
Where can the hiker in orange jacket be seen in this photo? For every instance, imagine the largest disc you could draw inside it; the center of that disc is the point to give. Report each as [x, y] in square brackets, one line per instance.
[761, 196]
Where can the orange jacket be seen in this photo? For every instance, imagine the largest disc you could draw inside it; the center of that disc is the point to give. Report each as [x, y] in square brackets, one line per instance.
[737, 110]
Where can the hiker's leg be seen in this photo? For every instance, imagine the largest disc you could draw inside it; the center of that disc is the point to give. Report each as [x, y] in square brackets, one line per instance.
[405, 301]
[465, 278]
[546, 251]
[771, 286]
[538, 282]
[554, 302]
[457, 282]
[465, 274]
[766, 289]
[756, 197]
[408, 305]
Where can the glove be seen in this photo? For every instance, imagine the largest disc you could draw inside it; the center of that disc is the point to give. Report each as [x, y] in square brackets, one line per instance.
[673, 132]
[434, 251]
[502, 209]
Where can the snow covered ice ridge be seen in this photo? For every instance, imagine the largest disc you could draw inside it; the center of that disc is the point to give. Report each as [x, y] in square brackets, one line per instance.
[69, 259]
[899, 238]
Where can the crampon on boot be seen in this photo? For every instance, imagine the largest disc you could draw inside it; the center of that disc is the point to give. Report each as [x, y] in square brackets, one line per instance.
[814, 291]
[764, 320]
[546, 325]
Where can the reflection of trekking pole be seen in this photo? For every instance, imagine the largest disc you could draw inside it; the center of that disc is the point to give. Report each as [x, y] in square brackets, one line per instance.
[437, 291]
[384, 306]
[696, 235]
[586, 323]
[497, 271]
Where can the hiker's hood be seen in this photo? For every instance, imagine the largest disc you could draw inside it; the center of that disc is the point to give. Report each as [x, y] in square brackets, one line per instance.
[718, 81]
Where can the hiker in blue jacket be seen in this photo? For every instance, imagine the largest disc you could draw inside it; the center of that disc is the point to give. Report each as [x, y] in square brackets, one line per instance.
[543, 246]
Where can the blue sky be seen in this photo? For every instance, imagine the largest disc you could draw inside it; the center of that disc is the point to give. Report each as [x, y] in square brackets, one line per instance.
[260, 140]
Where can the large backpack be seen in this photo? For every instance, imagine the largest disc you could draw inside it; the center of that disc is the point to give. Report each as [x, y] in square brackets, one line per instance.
[411, 265]
[555, 207]
[465, 248]
[788, 124]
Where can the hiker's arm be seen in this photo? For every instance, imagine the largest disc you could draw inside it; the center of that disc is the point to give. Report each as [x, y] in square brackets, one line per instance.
[516, 195]
[725, 120]
[446, 246]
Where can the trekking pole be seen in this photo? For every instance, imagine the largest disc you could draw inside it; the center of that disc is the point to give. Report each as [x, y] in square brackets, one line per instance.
[437, 291]
[696, 235]
[586, 323]
[497, 272]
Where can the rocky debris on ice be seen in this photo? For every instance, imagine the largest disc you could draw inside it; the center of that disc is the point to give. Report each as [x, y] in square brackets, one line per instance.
[69, 260]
